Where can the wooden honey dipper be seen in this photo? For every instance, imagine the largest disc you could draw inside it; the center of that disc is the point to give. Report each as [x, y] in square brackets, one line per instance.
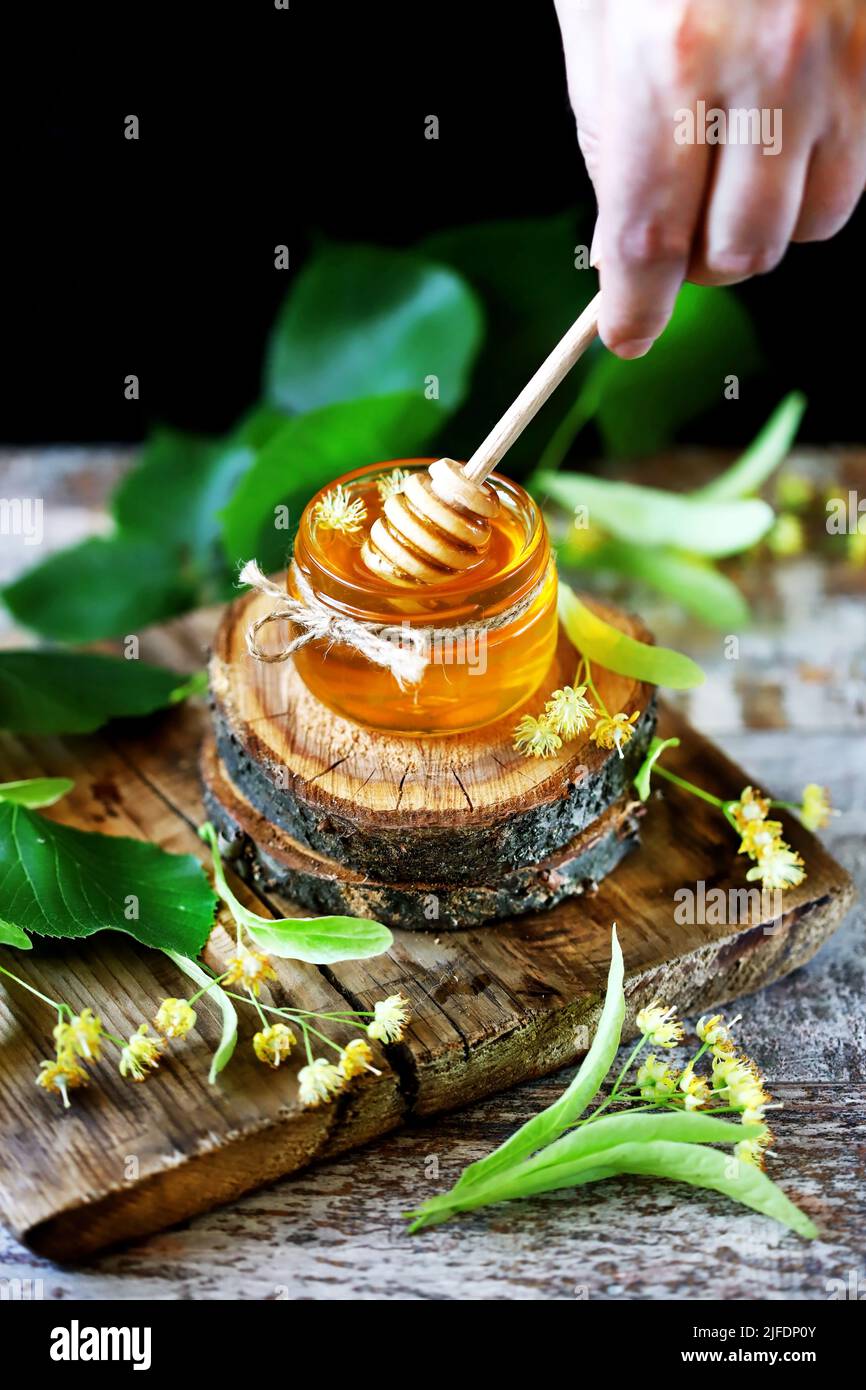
[439, 521]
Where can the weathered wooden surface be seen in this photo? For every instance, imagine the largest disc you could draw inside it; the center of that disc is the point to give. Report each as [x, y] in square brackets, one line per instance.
[334, 1231]
[490, 1006]
[461, 808]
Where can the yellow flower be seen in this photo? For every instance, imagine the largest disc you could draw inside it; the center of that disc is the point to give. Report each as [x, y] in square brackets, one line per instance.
[141, 1054]
[614, 732]
[62, 1075]
[568, 712]
[655, 1078]
[249, 968]
[856, 548]
[750, 807]
[760, 836]
[738, 1077]
[815, 811]
[175, 1017]
[753, 1151]
[659, 1025]
[391, 483]
[357, 1056]
[319, 1082]
[778, 867]
[390, 1018]
[695, 1089]
[336, 510]
[715, 1032]
[274, 1044]
[793, 491]
[535, 738]
[80, 1037]
[787, 536]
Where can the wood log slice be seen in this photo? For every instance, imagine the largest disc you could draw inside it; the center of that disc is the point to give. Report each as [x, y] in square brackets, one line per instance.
[462, 808]
[272, 861]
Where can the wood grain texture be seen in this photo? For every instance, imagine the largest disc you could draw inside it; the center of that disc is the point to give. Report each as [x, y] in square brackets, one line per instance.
[334, 1231]
[277, 863]
[390, 807]
[490, 1007]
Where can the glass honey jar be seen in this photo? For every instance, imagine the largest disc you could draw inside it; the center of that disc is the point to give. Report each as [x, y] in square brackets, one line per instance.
[489, 632]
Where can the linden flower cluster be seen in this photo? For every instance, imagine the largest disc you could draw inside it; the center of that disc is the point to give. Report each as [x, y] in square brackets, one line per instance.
[776, 866]
[391, 483]
[337, 510]
[566, 714]
[321, 1080]
[79, 1040]
[733, 1084]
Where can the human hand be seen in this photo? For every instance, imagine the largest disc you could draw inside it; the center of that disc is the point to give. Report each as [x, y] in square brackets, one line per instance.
[673, 205]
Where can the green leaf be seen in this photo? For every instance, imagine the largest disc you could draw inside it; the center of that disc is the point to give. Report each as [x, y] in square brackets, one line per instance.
[228, 1040]
[182, 483]
[690, 1163]
[690, 579]
[366, 321]
[681, 1127]
[319, 940]
[524, 273]
[307, 452]
[656, 748]
[36, 791]
[624, 655]
[649, 516]
[57, 881]
[549, 1124]
[13, 936]
[770, 448]
[59, 692]
[638, 406]
[104, 587]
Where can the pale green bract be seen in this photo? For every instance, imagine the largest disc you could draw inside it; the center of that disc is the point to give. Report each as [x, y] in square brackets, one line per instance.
[690, 579]
[317, 940]
[654, 752]
[648, 516]
[557, 1149]
[36, 791]
[599, 642]
[767, 450]
[229, 1037]
[544, 1128]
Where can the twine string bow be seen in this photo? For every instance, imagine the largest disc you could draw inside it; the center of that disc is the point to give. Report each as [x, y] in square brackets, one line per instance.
[401, 650]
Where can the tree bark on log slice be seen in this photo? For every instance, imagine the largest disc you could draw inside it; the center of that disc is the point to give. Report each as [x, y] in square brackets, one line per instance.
[273, 861]
[463, 808]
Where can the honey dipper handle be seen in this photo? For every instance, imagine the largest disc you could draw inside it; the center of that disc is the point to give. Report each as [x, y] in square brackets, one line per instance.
[534, 394]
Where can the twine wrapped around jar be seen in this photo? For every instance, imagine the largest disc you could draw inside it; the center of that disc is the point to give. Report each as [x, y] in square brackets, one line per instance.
[402, 649]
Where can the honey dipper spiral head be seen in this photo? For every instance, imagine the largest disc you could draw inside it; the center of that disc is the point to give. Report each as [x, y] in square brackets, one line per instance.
[438, 524]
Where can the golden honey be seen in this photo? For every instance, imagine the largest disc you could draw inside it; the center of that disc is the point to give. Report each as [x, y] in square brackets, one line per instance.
[480, 667]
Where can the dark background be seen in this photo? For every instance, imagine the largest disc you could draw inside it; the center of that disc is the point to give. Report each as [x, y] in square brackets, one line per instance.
[261, 127]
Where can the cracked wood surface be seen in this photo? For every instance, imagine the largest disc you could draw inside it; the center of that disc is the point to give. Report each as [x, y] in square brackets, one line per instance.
[334, 1230]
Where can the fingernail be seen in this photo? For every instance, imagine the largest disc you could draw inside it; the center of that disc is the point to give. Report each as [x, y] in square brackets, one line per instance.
[633, 347]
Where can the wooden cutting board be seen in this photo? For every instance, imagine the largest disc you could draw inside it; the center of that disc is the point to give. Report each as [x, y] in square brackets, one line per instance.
[491, 1006]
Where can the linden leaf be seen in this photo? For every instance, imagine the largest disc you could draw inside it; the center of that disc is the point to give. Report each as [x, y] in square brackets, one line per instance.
[62, 882]
[59, 692]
